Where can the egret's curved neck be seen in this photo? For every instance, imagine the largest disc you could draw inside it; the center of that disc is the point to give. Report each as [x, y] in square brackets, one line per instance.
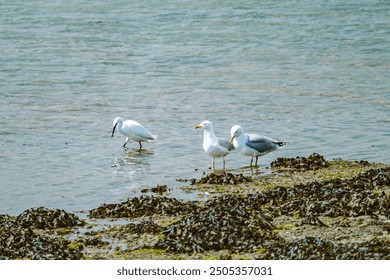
[120, 124]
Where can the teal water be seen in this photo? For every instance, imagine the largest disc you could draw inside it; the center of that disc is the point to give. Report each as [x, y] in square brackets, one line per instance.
[314, 73]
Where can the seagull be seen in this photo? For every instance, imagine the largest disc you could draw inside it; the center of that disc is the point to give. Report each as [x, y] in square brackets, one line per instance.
[133, 131]
[213, 146]
[252, 144]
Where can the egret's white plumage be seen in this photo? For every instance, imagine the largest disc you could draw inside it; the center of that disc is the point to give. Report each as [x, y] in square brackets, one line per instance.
[133, 131]
[252, 144]
[213, 146]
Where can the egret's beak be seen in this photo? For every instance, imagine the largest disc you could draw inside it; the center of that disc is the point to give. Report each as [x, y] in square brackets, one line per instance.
[197, 126]
[113, 130]
[232, 138]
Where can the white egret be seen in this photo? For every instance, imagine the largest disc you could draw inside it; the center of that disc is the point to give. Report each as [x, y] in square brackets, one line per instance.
[133, 131]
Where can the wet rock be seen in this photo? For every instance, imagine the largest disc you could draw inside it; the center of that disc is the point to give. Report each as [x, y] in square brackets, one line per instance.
[141, 206]
[313, 162]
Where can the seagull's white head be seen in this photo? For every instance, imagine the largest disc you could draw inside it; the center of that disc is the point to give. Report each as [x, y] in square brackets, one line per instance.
[206, 125]
[117, 121]
[235, 131]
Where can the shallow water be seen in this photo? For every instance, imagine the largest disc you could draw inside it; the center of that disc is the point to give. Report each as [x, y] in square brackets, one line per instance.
[314, 73]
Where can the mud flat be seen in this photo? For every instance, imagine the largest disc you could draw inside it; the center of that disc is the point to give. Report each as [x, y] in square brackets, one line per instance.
[303, 208]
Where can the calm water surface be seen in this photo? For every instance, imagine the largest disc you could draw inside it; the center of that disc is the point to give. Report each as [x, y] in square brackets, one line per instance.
[314, 73]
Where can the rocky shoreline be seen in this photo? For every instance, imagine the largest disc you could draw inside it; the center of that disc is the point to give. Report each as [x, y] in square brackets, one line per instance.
[306, 208]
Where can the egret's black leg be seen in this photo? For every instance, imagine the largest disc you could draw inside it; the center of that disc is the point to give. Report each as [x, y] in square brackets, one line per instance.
[124, 145]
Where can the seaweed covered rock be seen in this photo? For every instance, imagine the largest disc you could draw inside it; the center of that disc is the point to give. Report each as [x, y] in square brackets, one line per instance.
[20, 239]
[361, 195]
[43, 218]
[159, 189]
[6, 220]
[313, 162]
[143, 227]
[17, 242]
[141, 206]
[317, 248]
[228, 222]
[224, 178]
[341, 212]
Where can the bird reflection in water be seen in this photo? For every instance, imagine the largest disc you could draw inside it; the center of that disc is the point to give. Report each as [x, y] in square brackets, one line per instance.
[132, 165]
[132, 157]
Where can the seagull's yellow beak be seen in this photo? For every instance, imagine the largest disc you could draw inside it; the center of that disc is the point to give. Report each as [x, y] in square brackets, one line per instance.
[232, 138]
[197, 126]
